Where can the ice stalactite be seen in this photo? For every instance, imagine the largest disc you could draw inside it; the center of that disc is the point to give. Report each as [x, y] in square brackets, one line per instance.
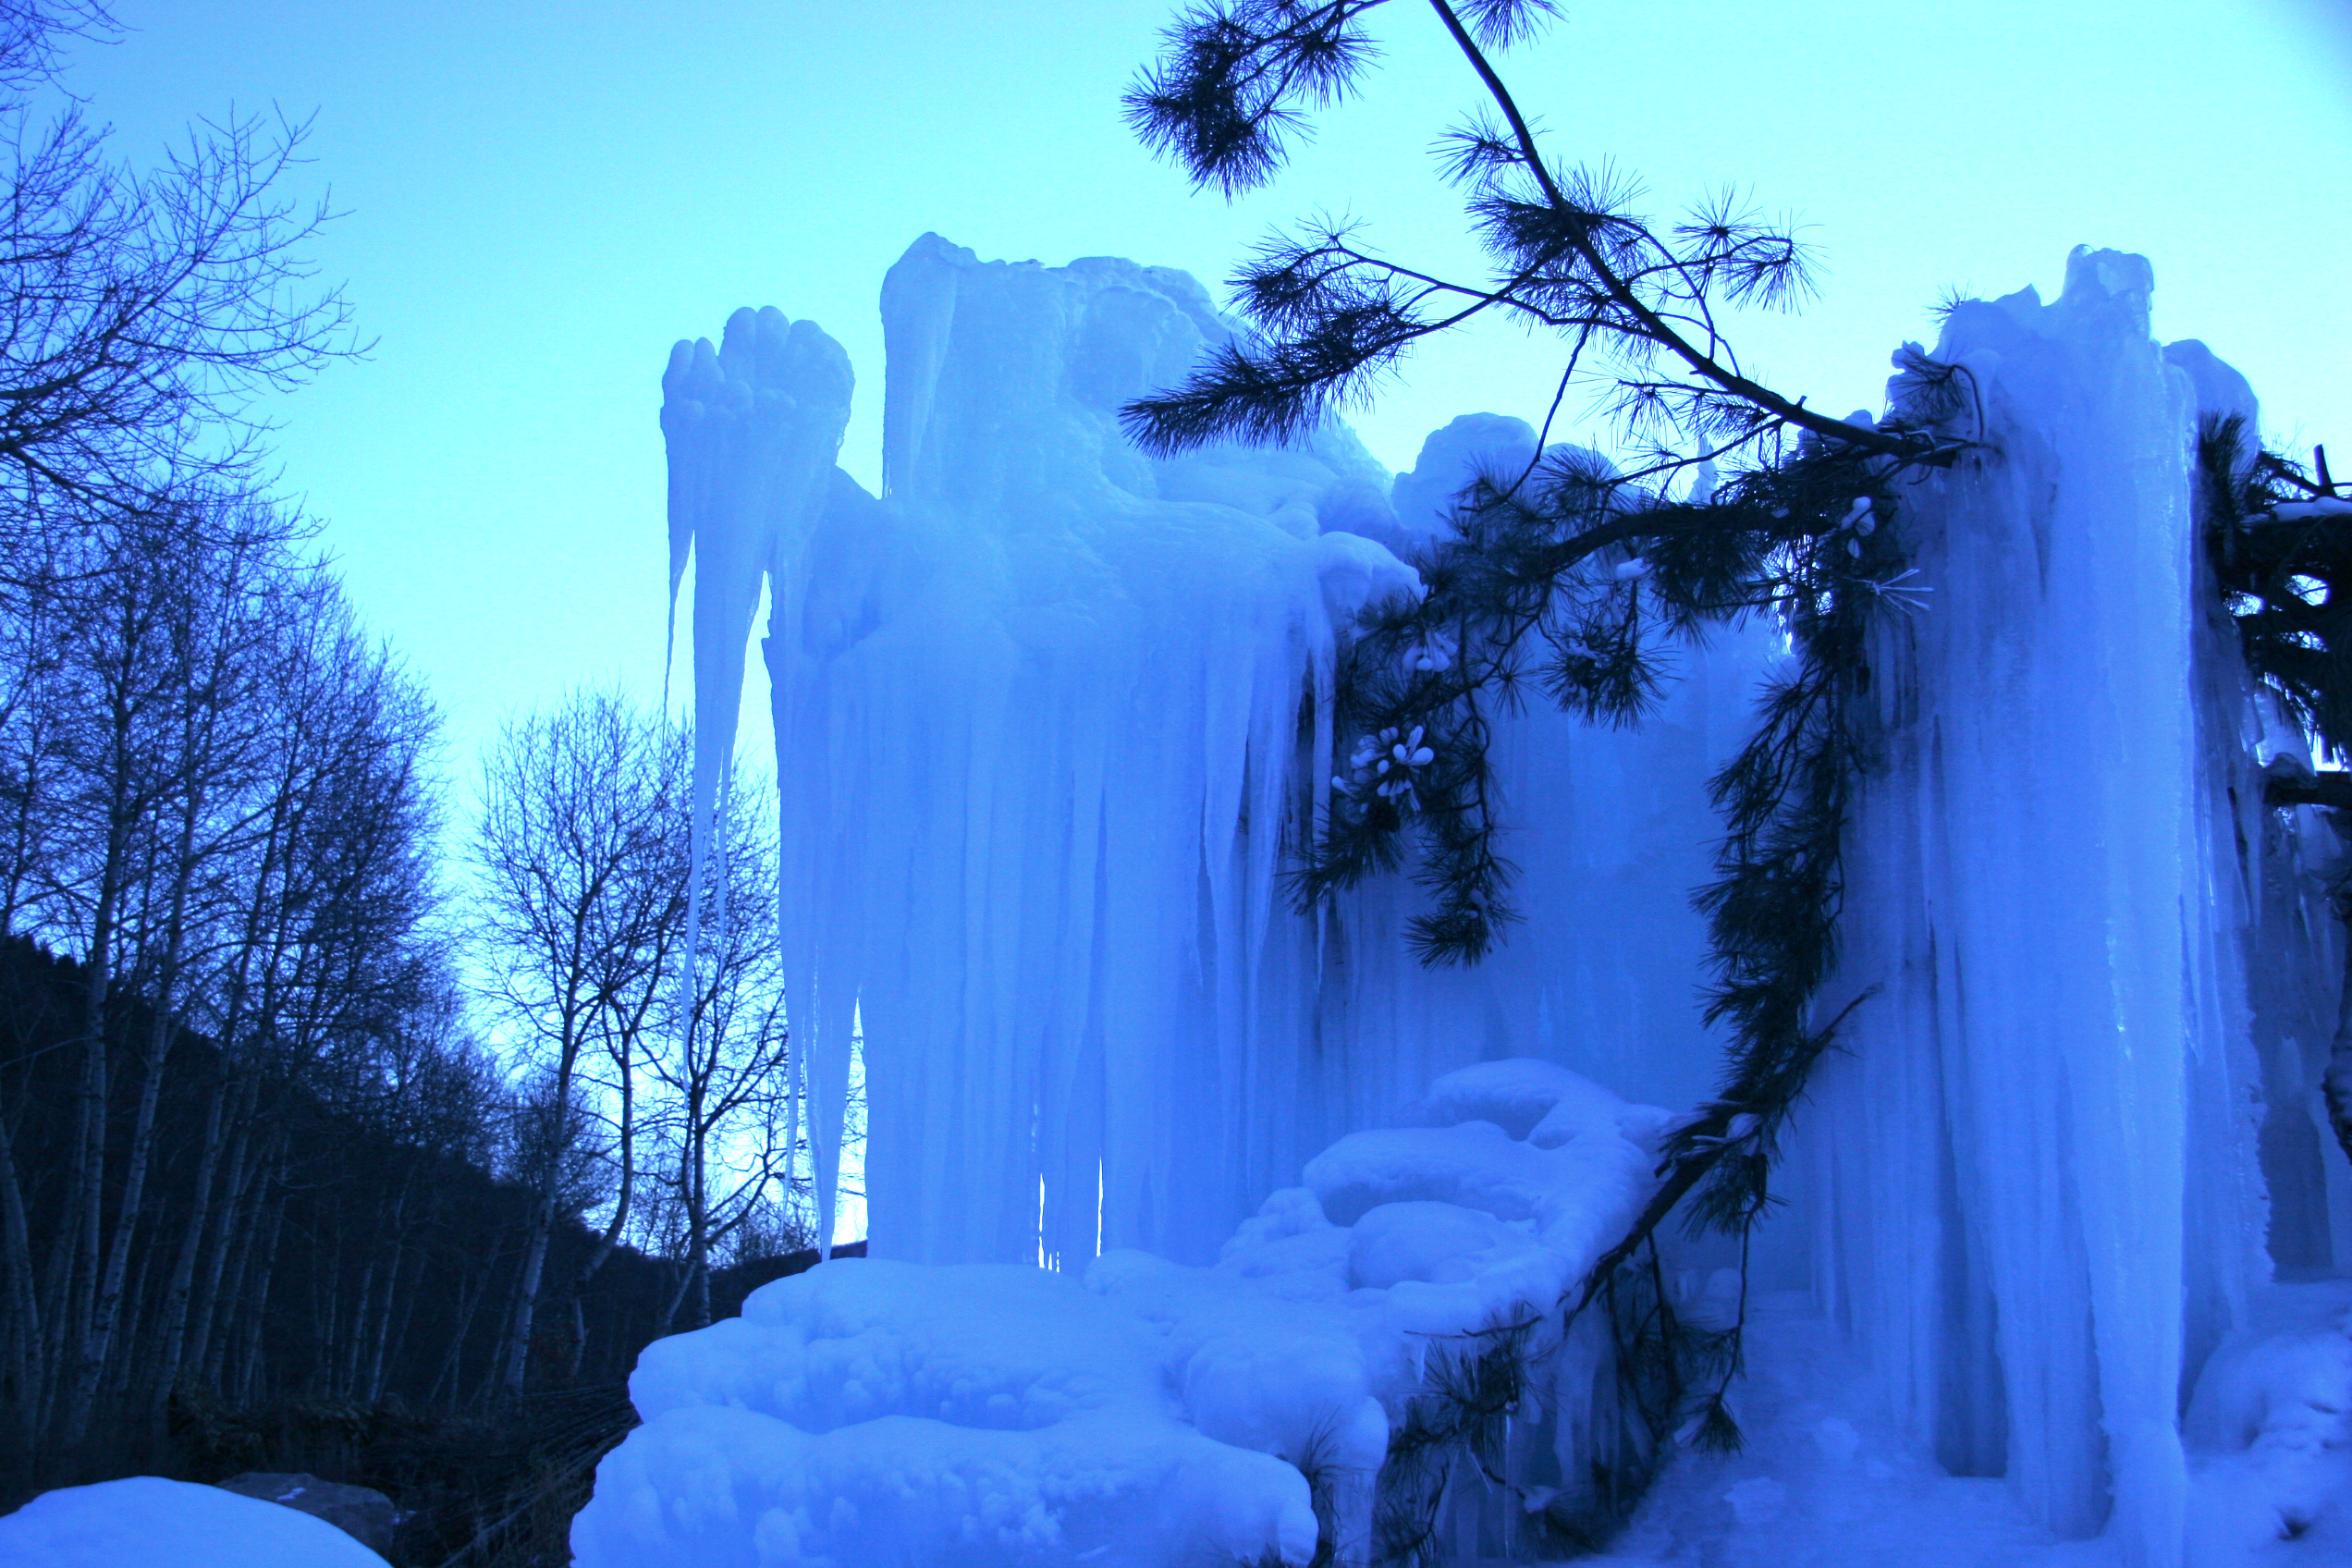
[751, 428]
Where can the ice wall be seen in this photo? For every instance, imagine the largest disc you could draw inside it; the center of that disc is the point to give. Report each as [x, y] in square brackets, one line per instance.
[2034, 1192]
[1045, 711]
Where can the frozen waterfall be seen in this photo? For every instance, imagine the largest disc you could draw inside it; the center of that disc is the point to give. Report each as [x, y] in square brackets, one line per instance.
[1050, 715]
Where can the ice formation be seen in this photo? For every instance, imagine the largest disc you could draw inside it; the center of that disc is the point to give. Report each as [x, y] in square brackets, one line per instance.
[1047, 712]
[152, 1523]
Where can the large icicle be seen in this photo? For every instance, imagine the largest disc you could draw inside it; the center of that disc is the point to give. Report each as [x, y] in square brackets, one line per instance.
[752, 429]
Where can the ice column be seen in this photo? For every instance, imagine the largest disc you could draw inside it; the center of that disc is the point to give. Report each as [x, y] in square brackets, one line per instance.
[752, 428]
[2036, 1194]
[1039, 717]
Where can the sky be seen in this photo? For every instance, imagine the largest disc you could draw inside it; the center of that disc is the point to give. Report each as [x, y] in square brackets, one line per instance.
[537, 199]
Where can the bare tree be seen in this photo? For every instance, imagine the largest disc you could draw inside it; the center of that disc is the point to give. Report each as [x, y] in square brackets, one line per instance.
[314, 932]
[728, 1123]
[638, 977]
[579, 886]
[142, 312]
[163, 689]
[221, 812]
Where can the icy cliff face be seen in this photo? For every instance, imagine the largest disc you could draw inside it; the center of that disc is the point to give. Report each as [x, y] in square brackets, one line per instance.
[2036, 1196]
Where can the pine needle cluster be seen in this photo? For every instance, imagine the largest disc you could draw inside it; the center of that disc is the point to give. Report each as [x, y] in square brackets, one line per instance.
[1665, 1375]
[1636, 303]
[1669, 1376]
[1570, 580]
[1471, 1385]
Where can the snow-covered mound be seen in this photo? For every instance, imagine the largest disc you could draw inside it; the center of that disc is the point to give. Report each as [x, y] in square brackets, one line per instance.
[147, 1522]
[1150, 1414]
[2269, 1435]
[907, 1412]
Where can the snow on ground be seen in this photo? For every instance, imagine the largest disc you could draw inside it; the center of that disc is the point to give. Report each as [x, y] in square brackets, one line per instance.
[2271, 1432]
[1825, 1482]
[1152, 1414]
[147, 1522]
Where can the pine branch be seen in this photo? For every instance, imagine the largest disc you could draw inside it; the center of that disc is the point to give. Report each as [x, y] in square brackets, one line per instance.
[1237, 78]
[1578, 581]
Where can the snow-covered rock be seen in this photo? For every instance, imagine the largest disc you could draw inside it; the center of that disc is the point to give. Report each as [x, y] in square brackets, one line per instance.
[2269, 1435]
[147, 1522]
[362, 1513]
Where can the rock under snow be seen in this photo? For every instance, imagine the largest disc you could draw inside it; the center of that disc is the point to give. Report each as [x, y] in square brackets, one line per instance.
[2269, 1435]
[362, 1513]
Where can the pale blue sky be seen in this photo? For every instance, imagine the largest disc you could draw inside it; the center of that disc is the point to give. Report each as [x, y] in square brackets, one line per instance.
[541, 197]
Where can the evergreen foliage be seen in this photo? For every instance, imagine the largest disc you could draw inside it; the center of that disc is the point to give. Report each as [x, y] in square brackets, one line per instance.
[1568, 254]
[1573, 580]
[2279, 536]
[1471, 1388]
[1577, 581]
[1662, 1361]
